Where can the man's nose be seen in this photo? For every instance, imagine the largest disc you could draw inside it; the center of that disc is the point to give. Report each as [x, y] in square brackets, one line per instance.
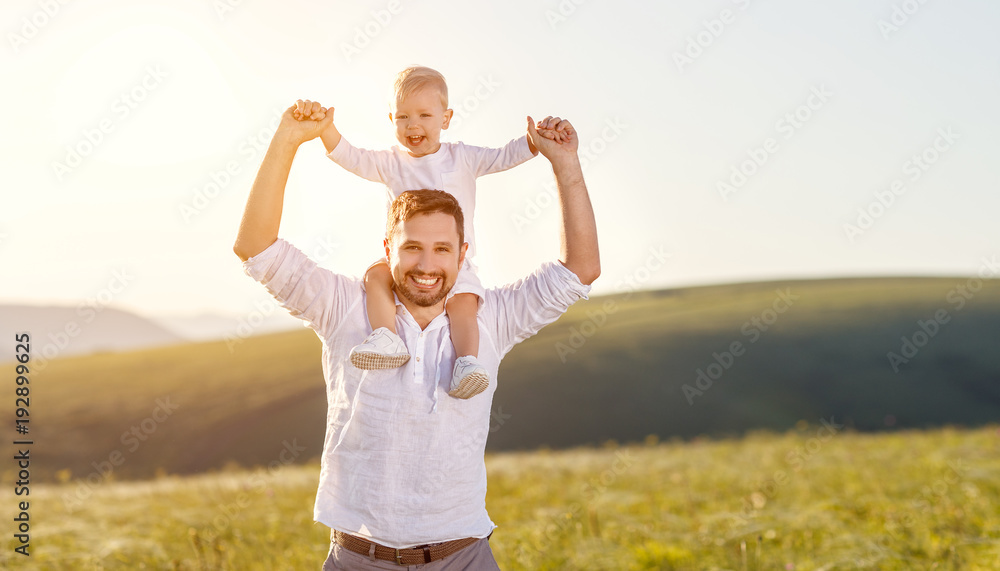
[425, 263]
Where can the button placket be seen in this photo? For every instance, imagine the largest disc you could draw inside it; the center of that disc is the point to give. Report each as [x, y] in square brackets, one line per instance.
[418, 351]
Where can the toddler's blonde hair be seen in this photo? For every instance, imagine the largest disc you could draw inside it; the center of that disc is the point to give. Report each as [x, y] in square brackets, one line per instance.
[415, 78]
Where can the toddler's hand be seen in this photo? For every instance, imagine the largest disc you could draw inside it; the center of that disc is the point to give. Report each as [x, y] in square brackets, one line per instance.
[549, 134]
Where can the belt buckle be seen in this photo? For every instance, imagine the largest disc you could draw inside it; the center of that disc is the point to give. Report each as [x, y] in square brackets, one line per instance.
[399, 558]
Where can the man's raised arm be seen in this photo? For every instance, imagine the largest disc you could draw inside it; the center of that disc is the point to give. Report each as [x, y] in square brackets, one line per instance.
[579, 251]
[262, 215]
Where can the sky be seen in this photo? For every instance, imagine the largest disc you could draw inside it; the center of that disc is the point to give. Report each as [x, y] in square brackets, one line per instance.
[722, 141]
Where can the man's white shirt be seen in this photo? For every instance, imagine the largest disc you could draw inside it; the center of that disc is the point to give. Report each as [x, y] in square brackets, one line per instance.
[402, 461]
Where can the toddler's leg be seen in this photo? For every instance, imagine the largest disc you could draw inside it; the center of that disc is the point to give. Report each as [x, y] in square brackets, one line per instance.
[379, 302]
[462, 309]
[383, 349]
[469, 377]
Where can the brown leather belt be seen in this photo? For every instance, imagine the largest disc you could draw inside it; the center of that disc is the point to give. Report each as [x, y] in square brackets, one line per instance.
[410, 556]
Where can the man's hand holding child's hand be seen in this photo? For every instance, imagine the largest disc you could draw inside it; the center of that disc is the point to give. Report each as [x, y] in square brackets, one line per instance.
[555, 130]
[554, 137]
[306, 110]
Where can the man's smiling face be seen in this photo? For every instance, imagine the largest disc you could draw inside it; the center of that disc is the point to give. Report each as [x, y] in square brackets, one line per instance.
[424, 255]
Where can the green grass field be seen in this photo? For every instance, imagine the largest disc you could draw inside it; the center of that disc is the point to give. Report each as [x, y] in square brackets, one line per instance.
[812, 498]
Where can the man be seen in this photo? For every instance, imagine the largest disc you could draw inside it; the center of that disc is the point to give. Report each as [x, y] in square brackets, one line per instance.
[403, 480]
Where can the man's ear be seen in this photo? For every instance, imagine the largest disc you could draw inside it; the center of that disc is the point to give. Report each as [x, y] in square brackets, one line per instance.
[461, 254]
[447, 118]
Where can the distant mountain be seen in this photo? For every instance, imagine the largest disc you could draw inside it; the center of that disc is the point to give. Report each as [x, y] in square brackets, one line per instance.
[59, 331]
[212, 326]
[870, 354]
[82, 330]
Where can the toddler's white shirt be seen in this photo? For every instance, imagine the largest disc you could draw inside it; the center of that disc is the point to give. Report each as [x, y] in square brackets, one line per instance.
[454, 168]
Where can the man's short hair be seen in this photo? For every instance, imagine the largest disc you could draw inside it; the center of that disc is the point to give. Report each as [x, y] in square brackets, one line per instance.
[414, 202]
[415, 78]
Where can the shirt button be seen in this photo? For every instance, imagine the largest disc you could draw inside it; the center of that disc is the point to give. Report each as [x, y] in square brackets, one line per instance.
[418, 359]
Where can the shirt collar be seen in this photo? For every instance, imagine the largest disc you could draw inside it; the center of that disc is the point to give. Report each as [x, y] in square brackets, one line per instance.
[438, 322]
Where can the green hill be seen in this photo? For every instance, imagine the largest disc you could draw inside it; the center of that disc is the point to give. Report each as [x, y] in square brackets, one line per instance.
[614, 367]
[826, 355]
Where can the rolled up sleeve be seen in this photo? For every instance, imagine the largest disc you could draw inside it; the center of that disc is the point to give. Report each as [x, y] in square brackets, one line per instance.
[524, 307]
[313, 294]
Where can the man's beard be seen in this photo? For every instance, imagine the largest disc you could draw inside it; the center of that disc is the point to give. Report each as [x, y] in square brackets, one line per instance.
[422, 299]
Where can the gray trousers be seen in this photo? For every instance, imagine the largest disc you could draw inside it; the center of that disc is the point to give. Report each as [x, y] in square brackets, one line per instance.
[476, 557]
